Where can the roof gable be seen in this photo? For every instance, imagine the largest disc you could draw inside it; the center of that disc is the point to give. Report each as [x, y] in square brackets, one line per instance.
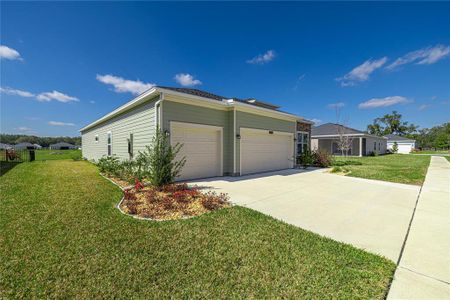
[333, 129]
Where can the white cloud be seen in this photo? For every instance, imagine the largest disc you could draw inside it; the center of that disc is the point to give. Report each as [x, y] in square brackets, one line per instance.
[186, 79]
[297, 83]
[14, 92]
[425, 56]
[24, 128]
[362, 72]
[336, 105]
[42, 97]
[56, 123]
[122, 85]
[316, 121]
[424, 106]
[55, 95]
[262, 58]
[383, 102]
[9, 53]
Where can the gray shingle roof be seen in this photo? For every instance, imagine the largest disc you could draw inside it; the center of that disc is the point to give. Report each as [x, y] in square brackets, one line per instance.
[394, 137]
[209, 95]
[332, 129]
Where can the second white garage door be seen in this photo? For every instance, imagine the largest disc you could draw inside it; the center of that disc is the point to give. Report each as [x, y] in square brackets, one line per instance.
[202, 147]
[263, 151]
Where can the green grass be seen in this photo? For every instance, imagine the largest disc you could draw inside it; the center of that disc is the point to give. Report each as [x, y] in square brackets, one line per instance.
[62, 237]
[447, 158]
[57, 154]
[400, 168]
[432, 152]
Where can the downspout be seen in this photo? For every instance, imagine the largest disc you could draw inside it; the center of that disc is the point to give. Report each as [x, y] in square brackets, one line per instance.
[158, 112]
[234, 140]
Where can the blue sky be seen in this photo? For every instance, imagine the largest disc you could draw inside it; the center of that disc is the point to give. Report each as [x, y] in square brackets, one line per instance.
[65, 64]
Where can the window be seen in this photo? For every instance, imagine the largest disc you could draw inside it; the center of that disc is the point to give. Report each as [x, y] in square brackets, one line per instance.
[302, 142]
[379, 146]
[109, 138]
[130, 145]
[96, 138]
[374, 146]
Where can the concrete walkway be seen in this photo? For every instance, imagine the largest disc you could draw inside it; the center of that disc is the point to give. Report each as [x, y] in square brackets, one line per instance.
[424, 268]
[369, 214]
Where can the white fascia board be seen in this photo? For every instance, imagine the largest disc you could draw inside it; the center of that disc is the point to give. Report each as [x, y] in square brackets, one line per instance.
[349, 134]
[136, 101]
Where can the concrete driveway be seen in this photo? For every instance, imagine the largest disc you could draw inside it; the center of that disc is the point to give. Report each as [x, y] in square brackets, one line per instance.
[369, 214]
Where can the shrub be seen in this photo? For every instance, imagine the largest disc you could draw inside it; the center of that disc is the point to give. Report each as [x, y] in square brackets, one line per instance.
[346, 163]
[158, 162]
[336, 169]
[109, 165]
[305, 159]
[212, 200]
[395, 147]
[322, 158]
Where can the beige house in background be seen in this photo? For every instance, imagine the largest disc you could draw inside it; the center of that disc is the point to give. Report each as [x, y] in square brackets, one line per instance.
[325, 137]
[220, 135]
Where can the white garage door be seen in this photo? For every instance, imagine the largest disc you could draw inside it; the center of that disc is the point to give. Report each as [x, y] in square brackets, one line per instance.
[263, 151]
[202, 147]
[404, 148]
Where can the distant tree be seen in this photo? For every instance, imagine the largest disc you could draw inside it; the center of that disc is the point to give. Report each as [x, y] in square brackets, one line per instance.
[43, 141]
[391, 124]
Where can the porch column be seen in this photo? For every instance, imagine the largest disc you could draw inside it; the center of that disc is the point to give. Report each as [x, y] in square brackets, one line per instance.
[360, 146]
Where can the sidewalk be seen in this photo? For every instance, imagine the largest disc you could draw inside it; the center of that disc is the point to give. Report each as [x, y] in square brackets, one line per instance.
[424, 268]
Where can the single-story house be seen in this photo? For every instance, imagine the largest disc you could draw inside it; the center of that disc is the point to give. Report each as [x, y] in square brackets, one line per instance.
[37, 146]
[405, 145]
[62, 146]
[328, 136]
[220, 135]
[5, 146]
[23, 146]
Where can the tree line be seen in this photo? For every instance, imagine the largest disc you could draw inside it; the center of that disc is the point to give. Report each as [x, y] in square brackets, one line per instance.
[435, 137]
[44, 141]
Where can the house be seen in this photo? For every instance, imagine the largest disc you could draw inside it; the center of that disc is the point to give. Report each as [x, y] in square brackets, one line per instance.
[62, 146]
[37, 146]
[5, 146]
[220, 135]
[405, 145]
[24, 146]
[327, 136]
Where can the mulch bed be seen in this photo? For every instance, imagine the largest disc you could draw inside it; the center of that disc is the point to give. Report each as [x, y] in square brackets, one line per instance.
[171, 202]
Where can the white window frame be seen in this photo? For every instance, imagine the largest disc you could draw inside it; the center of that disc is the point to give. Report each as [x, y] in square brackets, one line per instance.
[109, 139]
[301, 142]
[96, 138]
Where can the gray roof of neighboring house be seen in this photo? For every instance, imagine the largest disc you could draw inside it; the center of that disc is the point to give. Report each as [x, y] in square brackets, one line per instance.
[332, 129]
[200, 93]
[5, 146]
[62, 144]
[397, 138]
[25, 144]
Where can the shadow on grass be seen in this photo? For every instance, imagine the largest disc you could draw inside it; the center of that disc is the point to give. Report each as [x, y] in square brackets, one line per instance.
[5, 166]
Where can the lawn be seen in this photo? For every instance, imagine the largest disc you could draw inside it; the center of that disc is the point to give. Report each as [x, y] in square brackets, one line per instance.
[400, 168]
[432, 152]
[48, 154]
[62, 237]
[447, 158]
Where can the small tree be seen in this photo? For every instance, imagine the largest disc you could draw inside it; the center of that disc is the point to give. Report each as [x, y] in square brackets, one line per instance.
[345, 141]
[159, 163]
[395, 147]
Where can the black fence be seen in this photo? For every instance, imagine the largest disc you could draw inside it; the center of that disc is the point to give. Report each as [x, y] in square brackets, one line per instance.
[13, 155]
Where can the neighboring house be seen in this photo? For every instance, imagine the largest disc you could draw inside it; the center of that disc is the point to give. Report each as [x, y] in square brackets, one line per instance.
[5, 146]
[37, 146]
[23, 146]
[405, 145]
[220, 135]
[326, 137]
[62, 146]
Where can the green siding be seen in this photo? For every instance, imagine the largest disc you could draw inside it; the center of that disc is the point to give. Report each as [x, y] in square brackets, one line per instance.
[247, 120]
[140, 121]
[175, 111]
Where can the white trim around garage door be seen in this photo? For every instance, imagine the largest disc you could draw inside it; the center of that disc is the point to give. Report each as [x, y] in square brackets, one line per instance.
[263, 131]
[196, 125]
